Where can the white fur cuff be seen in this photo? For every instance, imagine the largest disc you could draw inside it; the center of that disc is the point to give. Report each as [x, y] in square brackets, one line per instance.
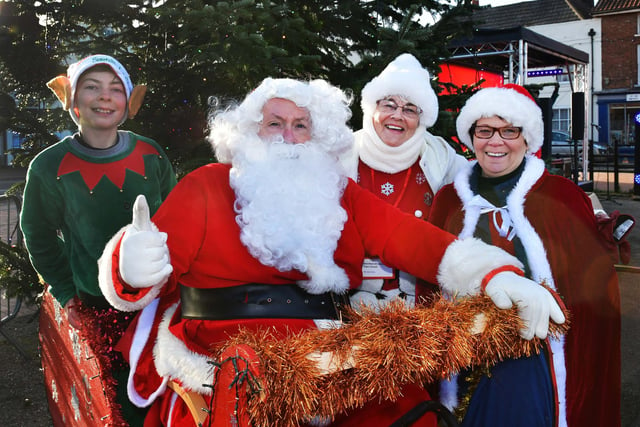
[107, 286]
[466, 262]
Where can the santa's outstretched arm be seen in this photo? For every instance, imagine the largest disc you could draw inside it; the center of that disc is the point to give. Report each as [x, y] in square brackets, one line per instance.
[470, 267]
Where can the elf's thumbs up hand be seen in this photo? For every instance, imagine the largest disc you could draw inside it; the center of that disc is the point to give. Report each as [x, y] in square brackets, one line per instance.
[144, 255]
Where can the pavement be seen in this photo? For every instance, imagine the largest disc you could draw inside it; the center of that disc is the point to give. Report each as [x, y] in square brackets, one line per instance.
[604, 182]
[630, 309]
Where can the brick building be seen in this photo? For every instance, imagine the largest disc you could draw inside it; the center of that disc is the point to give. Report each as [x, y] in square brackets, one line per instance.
[618, 102]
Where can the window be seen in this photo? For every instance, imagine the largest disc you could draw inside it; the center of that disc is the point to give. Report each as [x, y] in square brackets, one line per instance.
[561, 119]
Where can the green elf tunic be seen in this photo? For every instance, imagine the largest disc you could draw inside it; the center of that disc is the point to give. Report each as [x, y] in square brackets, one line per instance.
[77, 197]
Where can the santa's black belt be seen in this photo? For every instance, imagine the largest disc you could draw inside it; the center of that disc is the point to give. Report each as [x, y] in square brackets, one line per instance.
[259, 301]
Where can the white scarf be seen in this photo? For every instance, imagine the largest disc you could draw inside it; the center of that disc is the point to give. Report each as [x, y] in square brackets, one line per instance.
[379, 156]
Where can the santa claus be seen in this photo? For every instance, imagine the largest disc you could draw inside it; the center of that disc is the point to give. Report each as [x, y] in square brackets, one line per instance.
[272, 237]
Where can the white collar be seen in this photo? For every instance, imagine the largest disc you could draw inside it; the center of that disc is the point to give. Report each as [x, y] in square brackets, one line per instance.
[379, 156]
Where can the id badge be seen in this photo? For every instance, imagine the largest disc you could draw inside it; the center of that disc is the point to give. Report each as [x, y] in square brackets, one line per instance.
[373, 268]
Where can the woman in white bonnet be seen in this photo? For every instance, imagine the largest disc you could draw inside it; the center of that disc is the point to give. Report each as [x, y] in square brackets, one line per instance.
[396, 158]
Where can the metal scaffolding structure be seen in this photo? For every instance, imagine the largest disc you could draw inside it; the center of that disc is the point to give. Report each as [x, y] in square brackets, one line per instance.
[515, 52]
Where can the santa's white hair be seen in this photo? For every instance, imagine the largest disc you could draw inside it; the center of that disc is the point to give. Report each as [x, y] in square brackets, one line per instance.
[328, 107]
[288, 196]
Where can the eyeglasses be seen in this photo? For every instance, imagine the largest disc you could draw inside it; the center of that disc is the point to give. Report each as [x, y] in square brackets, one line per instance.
[486, 132]
[389, 107]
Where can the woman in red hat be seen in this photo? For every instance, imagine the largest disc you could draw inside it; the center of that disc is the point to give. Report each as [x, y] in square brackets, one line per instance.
[510, 200]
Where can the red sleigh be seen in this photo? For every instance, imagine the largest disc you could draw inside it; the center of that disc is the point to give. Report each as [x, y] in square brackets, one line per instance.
[77, 370]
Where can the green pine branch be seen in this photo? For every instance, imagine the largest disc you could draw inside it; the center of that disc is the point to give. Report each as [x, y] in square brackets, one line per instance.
[17, 276]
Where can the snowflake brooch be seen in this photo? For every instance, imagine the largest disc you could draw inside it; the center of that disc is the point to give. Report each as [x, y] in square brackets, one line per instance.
[386, 188]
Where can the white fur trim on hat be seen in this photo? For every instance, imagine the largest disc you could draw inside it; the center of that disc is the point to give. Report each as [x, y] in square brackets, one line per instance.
[76, 69]
[509, 104]
[405, 77]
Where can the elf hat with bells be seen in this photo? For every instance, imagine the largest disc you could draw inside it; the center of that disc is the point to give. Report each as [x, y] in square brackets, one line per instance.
[65, 86]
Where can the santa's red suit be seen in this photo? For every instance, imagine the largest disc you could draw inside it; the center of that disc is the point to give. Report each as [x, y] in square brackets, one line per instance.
[555, 223]
[206, 252]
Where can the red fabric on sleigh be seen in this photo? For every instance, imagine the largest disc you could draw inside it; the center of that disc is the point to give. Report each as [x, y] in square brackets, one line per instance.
[79, 386]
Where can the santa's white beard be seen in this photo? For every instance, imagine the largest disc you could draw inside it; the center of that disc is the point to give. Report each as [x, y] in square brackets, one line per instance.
[288, 204]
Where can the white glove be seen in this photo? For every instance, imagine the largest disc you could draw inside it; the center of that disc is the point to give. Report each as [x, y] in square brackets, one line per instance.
[144, 255]
[535, 303]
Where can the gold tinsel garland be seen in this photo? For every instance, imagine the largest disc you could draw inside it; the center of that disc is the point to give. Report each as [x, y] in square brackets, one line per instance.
[379, 353]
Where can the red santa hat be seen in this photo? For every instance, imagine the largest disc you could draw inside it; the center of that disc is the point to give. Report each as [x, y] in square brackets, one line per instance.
[511, 102]
[405, 77]
[65, 86]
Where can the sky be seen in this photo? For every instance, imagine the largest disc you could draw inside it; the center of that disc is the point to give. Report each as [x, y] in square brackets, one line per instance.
[495, 3]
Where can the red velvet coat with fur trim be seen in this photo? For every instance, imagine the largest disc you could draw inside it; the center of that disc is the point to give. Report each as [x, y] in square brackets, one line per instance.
[554, 220]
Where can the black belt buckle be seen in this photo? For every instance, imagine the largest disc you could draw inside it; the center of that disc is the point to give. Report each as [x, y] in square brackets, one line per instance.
[341, 303]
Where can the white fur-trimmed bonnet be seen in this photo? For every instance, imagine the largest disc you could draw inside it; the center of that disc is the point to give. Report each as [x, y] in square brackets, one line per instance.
[511, 102]
[404, 76]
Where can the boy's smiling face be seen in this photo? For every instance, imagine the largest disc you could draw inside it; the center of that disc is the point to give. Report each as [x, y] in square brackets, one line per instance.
[101, 100]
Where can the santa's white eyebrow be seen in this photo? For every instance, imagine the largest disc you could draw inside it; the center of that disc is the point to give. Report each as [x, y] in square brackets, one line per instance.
[297, 119]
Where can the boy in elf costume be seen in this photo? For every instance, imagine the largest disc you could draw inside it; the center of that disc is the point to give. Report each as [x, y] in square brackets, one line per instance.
[80, 191]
